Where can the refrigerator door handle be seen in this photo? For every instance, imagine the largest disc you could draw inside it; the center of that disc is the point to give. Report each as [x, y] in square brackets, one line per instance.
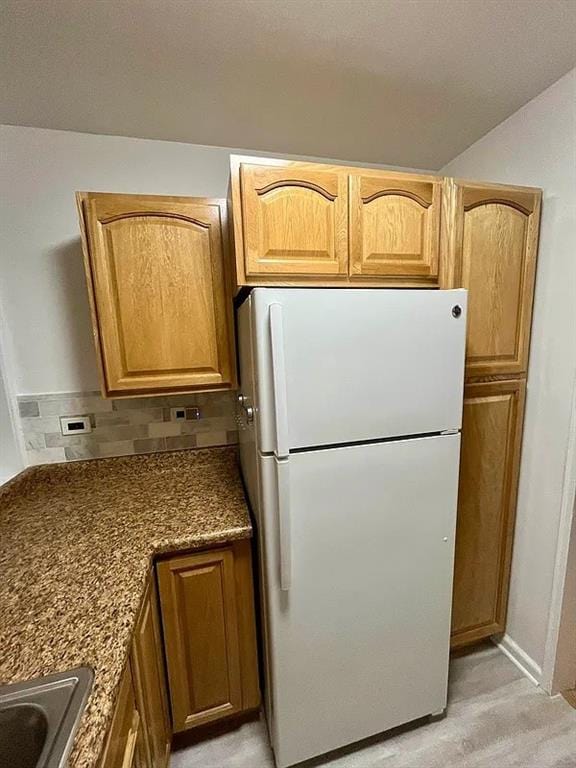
[279, 380]
[284, 523]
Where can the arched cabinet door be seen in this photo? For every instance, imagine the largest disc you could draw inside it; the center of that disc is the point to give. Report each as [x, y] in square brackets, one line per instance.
[394, 226]
[492, 252]
[294, 220]
[160, 301]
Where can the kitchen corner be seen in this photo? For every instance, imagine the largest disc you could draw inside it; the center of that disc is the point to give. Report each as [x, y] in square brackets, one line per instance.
[286, 438]
[77, 542]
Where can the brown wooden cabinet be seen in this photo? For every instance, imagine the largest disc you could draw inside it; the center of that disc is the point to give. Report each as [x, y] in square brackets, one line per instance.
[294, 223]
[492, 252]
[207, 610]
[489, 464]
[301, 223]
[123, 748]
[207, 647]
[490, 243]
[150, 682]
[394, 225]
[161, 305]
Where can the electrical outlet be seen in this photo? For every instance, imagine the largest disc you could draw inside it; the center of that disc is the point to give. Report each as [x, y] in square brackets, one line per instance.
[75, 425]
[185, 414]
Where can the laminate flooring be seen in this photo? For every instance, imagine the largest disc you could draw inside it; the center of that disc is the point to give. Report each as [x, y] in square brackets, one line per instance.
[496, 719]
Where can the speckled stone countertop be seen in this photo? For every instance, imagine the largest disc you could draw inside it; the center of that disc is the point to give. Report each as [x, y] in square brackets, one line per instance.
[76, 547]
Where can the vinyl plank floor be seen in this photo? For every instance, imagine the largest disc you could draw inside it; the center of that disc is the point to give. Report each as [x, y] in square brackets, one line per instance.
[496, 719]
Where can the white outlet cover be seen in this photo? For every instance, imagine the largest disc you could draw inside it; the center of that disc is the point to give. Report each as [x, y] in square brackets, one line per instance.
[75, 425]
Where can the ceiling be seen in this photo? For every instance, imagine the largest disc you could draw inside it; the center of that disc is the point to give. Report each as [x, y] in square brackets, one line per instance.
[404, 82]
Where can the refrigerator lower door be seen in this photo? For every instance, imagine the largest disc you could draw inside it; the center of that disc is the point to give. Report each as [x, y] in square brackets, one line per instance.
[341, 366]
[359, 642]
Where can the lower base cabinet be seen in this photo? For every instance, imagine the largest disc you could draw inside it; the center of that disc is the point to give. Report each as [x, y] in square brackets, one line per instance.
[206, 641]
[489, 465]
[207, 608]
[140, 733]
[147, 663]
[124, 747]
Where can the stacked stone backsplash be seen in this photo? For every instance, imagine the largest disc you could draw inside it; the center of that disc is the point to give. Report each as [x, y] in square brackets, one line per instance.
[121, 427]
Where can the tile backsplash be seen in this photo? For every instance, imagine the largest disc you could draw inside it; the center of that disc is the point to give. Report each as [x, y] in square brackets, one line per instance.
[121, 427]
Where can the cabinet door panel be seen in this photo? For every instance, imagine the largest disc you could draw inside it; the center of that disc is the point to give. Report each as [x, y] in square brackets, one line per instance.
[394, 226]
[123, 745]
[294, 220]
[490, 456]
[160, 299]
[200, 621]
[149, 683]
[493, 254]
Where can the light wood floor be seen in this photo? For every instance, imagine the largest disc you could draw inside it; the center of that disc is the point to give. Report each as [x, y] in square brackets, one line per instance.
[570, 697]
[496, 719]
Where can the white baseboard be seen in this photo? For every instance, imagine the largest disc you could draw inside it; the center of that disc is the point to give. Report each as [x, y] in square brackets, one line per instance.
[520, 658]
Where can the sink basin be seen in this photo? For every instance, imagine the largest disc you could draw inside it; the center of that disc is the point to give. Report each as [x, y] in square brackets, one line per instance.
[23, 729]
[38, 718]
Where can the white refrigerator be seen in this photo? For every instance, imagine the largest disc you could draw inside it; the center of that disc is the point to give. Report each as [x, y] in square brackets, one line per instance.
[350, 415]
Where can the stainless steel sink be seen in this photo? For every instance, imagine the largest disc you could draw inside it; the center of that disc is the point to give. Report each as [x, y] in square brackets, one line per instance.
[38, 718]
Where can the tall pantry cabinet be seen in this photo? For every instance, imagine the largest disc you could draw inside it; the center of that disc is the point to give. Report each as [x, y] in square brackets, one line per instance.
[490, 248]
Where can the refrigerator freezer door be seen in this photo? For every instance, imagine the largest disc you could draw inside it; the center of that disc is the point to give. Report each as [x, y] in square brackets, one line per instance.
[358, 364]
[359, 644]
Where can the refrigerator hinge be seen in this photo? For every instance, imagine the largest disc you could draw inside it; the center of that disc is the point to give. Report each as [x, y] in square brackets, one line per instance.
[450, 432]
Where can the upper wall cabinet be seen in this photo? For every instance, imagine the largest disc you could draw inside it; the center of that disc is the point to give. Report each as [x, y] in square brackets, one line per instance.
[394, 225]
[307, 223]
[161, 304]
[491, 250]
[294, 222]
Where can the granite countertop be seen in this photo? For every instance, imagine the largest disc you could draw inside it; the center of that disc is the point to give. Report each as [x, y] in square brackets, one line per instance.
[76, 547]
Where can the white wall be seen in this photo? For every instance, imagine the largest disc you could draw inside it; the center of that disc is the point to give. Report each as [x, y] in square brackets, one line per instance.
[42, 287]
[537, 146]
[11, 461]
